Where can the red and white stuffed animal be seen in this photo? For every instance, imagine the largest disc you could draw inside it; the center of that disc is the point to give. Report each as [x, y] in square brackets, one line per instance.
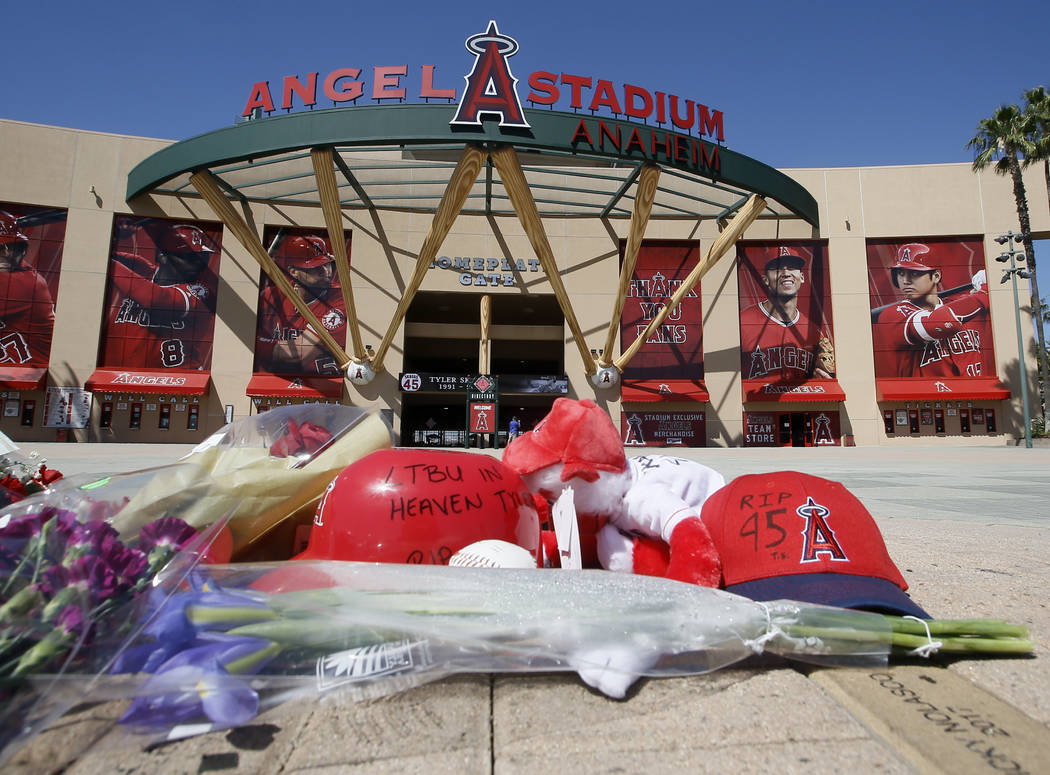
[638, 516]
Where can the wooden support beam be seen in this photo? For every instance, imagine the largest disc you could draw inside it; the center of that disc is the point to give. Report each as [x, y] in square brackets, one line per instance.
[208, 187]
[459, 185]
[643, 207]
[517, 188]
[333, 218]
[485, 343]
[744, 217]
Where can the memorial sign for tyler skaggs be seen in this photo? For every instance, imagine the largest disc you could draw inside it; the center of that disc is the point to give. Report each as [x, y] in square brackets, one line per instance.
[296, 552]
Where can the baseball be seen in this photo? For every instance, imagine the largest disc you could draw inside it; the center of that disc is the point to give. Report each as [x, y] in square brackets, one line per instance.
[608, 377]
[360, 372]
[493, 554]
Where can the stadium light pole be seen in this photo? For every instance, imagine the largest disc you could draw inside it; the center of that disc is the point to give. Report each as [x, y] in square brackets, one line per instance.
[1012, 274]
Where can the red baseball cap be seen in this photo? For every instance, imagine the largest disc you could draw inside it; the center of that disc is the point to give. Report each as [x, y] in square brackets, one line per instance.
[789, 535]
[786, 256]
[579, 434]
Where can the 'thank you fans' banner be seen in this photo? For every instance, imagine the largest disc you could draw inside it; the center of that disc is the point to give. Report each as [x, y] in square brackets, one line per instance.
[675, 350]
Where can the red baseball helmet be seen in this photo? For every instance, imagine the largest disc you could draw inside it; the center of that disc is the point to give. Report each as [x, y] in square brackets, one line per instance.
[910, 257]
[185, 240]
[9, 231]
[420, 507]
[304, 253]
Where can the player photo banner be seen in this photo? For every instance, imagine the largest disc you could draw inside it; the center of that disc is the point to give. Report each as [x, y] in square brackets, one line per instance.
[785, 317]
[929, 311]
[31, 241]
[284, 341]
[675, 350]
[160, 295]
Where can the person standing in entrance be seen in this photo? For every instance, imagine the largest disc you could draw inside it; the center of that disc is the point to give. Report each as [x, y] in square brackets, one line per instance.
[513, 428]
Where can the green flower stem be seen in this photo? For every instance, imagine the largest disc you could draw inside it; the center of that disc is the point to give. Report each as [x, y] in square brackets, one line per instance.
[955, 643]
[317, 632]
[248, 663]
[996, 628]
[203, 615]
[967, 644]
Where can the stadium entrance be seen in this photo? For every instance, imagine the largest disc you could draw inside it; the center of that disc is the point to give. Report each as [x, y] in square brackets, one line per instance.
[450, 338]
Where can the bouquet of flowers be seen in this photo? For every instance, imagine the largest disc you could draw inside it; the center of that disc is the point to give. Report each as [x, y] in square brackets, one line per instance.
[22, 475]
[83, 559]
[218, 650]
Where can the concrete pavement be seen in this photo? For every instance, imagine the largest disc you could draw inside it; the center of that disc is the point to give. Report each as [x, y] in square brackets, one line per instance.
[968, 527]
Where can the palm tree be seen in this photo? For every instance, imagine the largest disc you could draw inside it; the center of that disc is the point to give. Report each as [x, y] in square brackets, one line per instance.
[1037, 110]
[1005, 139]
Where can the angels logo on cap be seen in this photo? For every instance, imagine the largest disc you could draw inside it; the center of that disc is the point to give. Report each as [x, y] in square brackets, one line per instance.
[788, 535]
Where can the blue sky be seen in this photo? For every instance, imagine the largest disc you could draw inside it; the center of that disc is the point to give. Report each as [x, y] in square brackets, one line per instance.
[799, 84]
[802, 84]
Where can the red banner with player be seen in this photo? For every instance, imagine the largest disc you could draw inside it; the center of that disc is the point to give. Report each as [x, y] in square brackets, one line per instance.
[160, 295]
[786, 338]
[284, 342]
[930, 314]
[31, 241]
[675, 350]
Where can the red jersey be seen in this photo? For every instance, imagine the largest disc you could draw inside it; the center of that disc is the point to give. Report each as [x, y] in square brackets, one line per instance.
[773, 350]
[27, 318]
[280, 321]
[907, 346]
[153, 326]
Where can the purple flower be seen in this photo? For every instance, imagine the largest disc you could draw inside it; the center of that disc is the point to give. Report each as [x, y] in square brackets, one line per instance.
[69, 628]
[128, 564]
[88, 581]
[169, 533]
[197, 681]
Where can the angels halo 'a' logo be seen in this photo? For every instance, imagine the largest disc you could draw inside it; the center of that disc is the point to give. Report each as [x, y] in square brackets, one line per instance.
[490, 86]
[332, 320]
[818, 537]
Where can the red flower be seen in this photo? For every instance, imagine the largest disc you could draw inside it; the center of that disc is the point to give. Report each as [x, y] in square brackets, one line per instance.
[14, 484]
[47, 475]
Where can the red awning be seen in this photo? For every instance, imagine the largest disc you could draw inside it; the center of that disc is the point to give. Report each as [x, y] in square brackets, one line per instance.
[23, 377]
[189, 383]
[664, 390]
[292, 386]
[790, 392]
[941, 389]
